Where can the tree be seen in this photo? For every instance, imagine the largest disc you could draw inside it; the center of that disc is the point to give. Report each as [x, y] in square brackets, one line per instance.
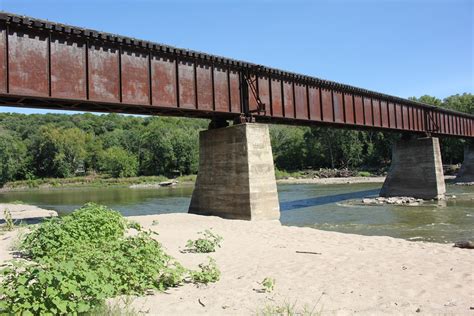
[157, 154]
[460, 102]
[118, 163]
[185, 151]
[428, 99]
[12, 158]
[289, 148]
[58, 152]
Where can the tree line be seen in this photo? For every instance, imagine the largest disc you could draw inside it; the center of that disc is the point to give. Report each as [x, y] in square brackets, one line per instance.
[63, 145]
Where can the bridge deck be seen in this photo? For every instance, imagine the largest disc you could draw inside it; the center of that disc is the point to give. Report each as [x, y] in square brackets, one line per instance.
[56, 66]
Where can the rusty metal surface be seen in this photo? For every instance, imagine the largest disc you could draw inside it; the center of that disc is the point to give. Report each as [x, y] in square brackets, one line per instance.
[204, 87]
[68, 69]
[135, 77]
[51, 65]
[27, 62]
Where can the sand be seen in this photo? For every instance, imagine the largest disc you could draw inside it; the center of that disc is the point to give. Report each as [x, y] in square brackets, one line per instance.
[352, 274]
[345, 180]
[24, 211]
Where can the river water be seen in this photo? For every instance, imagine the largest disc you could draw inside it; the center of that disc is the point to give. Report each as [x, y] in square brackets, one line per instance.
[327, 207]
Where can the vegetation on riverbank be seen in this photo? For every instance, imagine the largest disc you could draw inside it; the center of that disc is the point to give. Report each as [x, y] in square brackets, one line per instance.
[36, 148]
[91, 181]
[106, 180]
[73, 263]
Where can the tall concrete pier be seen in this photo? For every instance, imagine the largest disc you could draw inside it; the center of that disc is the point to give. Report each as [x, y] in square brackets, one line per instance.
[236, 177]
[416, 170]
[466, 173]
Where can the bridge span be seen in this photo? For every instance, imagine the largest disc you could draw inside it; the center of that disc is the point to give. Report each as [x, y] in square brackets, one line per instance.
[56, 66]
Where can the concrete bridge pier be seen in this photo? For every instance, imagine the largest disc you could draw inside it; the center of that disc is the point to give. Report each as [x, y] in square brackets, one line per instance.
[236, 176]
[416, 169]
[466, 173]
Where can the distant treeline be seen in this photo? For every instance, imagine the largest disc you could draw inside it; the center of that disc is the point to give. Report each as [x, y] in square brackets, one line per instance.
[64, 145]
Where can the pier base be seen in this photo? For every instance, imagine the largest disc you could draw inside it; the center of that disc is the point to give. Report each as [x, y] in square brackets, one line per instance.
[416, 170]
[466, 173]
[236, 177]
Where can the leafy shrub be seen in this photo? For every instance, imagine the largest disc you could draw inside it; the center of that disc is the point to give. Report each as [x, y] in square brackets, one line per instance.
[268, 284]
[209, 273]
[208, 243]
[79, 260]
[90, 226]
[134, 225]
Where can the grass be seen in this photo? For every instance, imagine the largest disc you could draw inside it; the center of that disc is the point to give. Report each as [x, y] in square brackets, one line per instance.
[282, 174]
[106, 180]
[89, 181]
[364, 174]
[290, 309]
[120, 307]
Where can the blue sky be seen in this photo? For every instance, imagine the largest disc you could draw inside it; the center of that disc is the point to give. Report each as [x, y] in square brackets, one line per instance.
[404, 48]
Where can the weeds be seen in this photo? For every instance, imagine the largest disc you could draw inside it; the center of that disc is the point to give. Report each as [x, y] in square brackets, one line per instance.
[268, 284]
[17, 202]
[207, 244]
[209, 273]
[75, 262]
[287, 309]
[9, 223]
[134, 225]
[122, 307]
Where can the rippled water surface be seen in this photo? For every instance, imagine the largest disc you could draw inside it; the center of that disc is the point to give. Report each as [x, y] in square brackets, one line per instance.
[328, 207]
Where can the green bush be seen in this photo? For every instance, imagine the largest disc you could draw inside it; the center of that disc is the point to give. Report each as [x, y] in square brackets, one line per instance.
[208, 243]
[209, 273]
[364, 174]
[77, 261]
[90, 226]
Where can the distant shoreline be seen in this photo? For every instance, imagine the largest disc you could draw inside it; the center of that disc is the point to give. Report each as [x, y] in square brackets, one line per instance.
[154, 182]
[342, 180]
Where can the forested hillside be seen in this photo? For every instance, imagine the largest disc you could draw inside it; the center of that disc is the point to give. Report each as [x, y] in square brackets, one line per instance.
[64, 145]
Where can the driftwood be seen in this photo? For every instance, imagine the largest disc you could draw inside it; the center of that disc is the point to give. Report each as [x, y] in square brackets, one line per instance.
[309, 252]
[464, 244]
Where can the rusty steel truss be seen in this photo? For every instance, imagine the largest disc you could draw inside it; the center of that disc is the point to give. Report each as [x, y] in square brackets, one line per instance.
[56, 66]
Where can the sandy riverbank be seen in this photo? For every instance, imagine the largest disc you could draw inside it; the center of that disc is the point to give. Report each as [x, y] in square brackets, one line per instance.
[346, 180]
[352, 274]
[24, 211]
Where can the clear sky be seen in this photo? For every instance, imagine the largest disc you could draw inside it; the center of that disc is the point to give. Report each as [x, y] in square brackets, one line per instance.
[404, 48]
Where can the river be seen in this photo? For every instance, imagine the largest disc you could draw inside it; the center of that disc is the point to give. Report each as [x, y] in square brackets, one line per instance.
[327, 207]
